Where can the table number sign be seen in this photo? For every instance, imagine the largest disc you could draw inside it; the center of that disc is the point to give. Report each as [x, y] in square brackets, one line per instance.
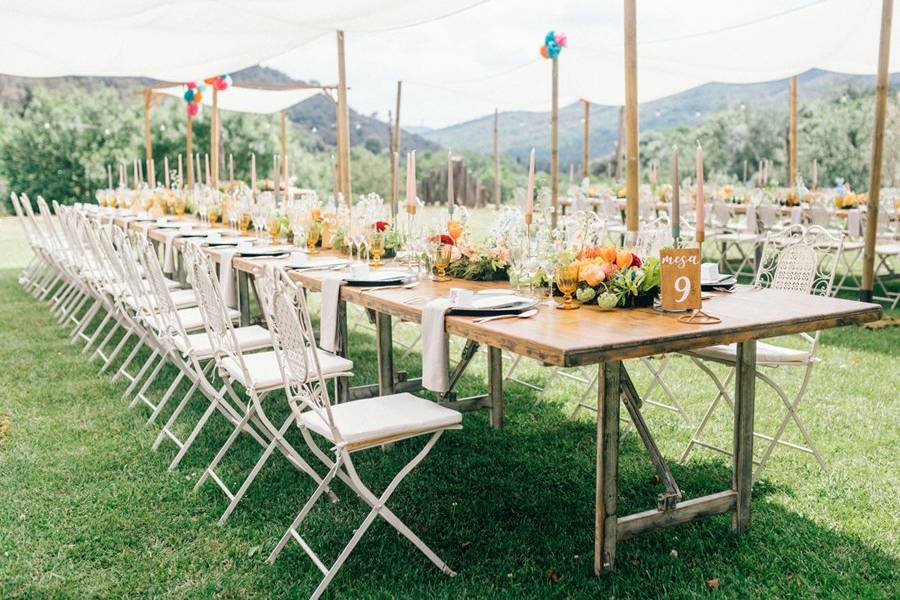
[680, 278]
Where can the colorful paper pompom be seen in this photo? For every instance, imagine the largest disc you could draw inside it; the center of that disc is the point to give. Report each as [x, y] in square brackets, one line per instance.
[198, 97]
[210, 80]
[553, 44]
[191, 85]
[561, 39]
[220, 84]
[553, 49]
[201, 87]
[549, 37]
[193, 109]
[544, 52]
[189, 95]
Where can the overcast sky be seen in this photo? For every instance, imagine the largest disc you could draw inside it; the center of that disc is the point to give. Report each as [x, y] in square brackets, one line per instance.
[490, 38]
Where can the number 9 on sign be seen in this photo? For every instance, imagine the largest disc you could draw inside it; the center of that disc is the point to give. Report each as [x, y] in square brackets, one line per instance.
[682, 288]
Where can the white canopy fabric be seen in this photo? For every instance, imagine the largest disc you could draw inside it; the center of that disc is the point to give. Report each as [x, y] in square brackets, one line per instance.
[834, 35]
[180, 40]
[249, 100]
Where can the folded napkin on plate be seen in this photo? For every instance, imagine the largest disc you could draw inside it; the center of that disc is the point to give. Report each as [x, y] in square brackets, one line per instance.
[169, 251]
[751, 218]
[796, 215]
[329, 339]
[854, 228]
[435, 350]
[226, 276]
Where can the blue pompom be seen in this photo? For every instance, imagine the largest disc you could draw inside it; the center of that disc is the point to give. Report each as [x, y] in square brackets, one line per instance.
[549, 38]
[189, 95]
[553, 49]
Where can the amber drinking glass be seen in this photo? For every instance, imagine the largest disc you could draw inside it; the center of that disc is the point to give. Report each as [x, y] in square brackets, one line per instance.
[567, 282]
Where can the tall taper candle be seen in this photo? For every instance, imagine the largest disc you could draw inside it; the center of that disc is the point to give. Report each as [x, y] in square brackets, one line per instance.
[815, 174]
[676, 198]
[151, 173]
[230, 167]
[529, 189]
[450, 198]
[701, 212]
[411, 182]
[208, 176]
[198, 170]
[109, 176]
[180, 171]
[253, 174]
[166, 169]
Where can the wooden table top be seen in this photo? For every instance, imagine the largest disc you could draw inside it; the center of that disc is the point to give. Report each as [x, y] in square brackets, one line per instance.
[590, 335]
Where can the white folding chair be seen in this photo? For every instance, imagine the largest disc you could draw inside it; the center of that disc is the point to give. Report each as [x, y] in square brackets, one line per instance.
[800, 260]
[257, 374]
[347, 428]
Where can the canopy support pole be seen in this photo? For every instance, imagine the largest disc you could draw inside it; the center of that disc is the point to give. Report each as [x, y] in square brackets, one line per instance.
[497, 158]
[395, 153]
[148, 128]
[884, 51]
[554, 145]
[792, 134]
[586, 149]
[214, 138]
[343, 123]
[631, 118]
[189, 139]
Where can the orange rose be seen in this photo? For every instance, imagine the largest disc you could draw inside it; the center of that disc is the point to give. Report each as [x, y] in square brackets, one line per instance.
[624, 258]
[608, 253]
[454, 228]
[315, 213]
[592, 274]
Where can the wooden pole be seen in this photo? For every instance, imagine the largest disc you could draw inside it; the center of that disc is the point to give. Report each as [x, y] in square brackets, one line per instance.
[344, 130]
[631, 117]
[619, 132]
[214, 138]
[554, 145]
[148, 128]
[586, 148]
[792, 134]
[884, 54]
[497, 158]
[284, 149]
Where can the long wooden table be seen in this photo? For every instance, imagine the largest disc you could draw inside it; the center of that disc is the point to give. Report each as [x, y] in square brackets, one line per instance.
[591, 336]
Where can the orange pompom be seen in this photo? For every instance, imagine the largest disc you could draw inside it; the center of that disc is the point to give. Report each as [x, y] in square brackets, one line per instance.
[209, 80]
[544, 52]
[197, 97]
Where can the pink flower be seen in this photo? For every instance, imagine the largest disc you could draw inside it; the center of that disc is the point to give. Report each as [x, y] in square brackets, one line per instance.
[592, 274]
[455, 254]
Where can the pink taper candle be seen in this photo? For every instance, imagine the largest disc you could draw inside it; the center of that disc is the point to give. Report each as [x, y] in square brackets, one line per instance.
[253, 174]
[529, 190]
[701, 212]
[411, 181]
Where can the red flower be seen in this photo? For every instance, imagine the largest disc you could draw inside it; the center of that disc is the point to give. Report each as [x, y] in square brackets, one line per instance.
[635, 260]
[442, 238]
[382, 225]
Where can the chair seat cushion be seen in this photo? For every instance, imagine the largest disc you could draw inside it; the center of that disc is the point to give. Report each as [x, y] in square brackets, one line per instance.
[383, 417]
[736, 237]
[249, 339]
[180, 298]
[265, 374]
[191, 318]
[765, 354]
[887, 249]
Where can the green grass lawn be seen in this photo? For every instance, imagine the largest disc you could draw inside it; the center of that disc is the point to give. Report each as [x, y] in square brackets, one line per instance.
[88, 510]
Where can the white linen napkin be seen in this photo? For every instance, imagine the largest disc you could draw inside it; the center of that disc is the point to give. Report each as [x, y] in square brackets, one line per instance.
[435, 347]
[796, 215]
[854, 228]
[169, 251]
[328, 321]
[226, 276]
[751, 218]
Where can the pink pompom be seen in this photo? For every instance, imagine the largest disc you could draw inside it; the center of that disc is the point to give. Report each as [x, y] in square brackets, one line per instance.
[191, 85]
[193, 109]
[221, 84]
[561, 39]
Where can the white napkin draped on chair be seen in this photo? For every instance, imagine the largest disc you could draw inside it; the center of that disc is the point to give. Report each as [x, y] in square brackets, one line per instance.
[226, 276]
[435, 347]
[329, 339]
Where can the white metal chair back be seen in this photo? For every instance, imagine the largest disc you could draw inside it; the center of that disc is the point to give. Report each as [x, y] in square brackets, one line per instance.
[800, 259]
[169, 326]
[213, 309]
[287, 315]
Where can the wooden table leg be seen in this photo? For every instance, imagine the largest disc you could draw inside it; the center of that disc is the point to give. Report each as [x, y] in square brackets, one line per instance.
[384, 338]
[606, 518]
[342, 384]
[744, 400]
[495, 385]
[244, 297]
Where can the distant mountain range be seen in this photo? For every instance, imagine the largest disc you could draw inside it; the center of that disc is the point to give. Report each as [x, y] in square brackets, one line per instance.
[520, 131]
[316, 114]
